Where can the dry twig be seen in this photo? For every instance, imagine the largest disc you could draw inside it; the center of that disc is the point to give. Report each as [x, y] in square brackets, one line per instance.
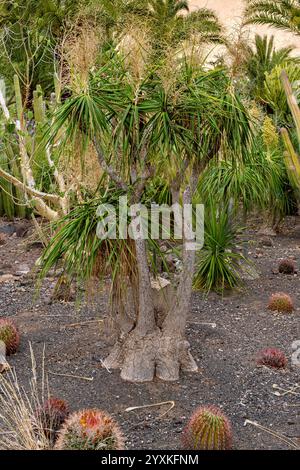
[71, 376]
[170, 402]
[285, 439]
[83, 323]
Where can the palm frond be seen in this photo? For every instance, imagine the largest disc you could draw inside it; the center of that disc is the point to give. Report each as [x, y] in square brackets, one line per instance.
[282, 14]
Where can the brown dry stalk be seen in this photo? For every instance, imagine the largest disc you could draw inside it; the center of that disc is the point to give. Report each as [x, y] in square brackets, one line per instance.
[82, 323]
[71, 376]
[170, 402]
[286, 391]
[285, 439]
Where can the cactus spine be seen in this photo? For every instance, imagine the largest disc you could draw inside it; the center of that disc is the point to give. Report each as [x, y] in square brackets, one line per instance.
[207, 429]
[9, 335]
[90, 430]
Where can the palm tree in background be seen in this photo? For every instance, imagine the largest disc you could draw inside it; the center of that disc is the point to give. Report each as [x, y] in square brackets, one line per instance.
[169, 21]
[166, 10]
[30, 32]
[173, 22]
[262, 59]
[282, 14]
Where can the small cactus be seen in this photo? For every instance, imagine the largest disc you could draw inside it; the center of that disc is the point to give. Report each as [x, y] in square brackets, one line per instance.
[272, 357]
[287, 266]
[90, 430]
[207, 429]
[51, 415]
[281, 302]
[9, 335]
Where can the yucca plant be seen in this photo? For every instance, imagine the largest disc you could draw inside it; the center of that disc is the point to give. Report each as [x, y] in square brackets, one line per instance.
[218, 265]
[258, 182]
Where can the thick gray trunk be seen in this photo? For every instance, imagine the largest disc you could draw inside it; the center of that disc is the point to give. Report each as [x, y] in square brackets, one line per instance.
[153, 348]
[174, 348]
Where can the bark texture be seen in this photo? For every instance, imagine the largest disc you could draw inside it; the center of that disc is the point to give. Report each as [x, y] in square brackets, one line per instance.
[156, 347]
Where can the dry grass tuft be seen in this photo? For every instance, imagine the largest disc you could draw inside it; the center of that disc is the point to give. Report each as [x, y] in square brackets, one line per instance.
[21, 428]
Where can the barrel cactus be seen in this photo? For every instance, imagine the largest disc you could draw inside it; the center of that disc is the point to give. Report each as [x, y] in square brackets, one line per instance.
[207, 429]
[272, 357]
[281, 302]
[90, 430]
[9, 335]
[287, 266]
[51, 415]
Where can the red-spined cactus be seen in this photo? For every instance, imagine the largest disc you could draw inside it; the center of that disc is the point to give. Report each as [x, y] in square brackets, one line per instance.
[271, 357]
[51, 415]
[281, 302]
[9, 335]
[207, 429]
[287, 266]
[90, 430]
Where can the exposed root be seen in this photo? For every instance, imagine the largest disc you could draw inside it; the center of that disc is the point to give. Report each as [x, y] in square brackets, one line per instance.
[141, 358]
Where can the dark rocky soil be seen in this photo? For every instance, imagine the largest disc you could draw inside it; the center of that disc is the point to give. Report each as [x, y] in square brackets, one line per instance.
[225, 351]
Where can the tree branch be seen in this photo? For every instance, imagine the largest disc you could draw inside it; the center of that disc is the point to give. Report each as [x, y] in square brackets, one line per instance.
[108, 168]
[33, 192]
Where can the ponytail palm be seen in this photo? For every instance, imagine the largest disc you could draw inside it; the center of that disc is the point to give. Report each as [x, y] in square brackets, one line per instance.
[141, 131]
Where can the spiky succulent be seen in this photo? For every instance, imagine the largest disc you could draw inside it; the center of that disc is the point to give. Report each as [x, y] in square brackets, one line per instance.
[51, 415]
[207, 429]
[272, 357]
[281, 302]
[9, 335]
[90, 430]
[287, 266]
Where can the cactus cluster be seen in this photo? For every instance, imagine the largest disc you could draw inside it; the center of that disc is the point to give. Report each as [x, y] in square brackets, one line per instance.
[51, 415]
[281, 302]
[90, 430]
[272, 357]
[287, 266]
[9, 335]
[207, 429]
